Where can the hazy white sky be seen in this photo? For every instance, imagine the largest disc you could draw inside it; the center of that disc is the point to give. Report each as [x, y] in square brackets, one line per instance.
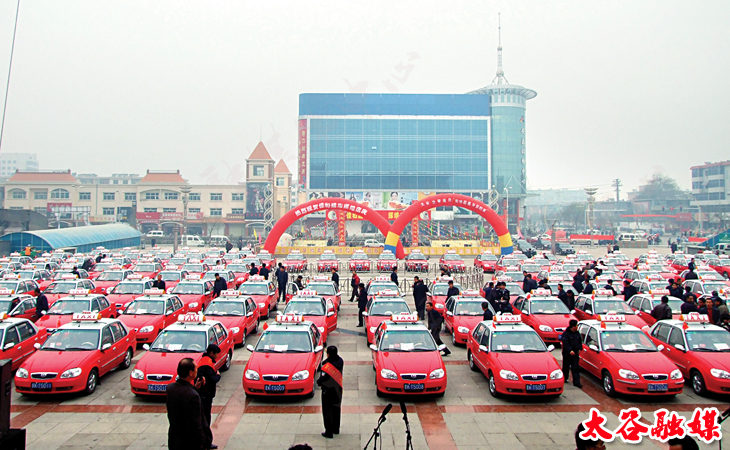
[625, 88]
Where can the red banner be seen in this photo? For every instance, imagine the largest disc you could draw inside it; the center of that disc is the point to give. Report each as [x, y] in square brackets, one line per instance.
[59, 207]
[341, 228]
[302, 153]
[414, 231]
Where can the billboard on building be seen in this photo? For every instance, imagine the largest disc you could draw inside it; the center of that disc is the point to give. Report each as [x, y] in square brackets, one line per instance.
[256, 194]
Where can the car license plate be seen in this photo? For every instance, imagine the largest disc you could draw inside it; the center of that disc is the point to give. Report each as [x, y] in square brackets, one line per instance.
[658, 387]
[274, 388]
[157, 387]
[41, 386]
[535, 388]
[412, 387]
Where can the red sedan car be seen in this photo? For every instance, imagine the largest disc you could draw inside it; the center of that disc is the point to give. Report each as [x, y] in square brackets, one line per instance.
[452, 262]
[463, 313]
[195, 294]
[386, 262]
[237, 312]
[152, 313]
[592, 307]
[263, 292]
[327, 261]
[314, 308]
[381, 308]
[106, 280]
[359, 261]
[416, 262]
[77, 301]
[486, 261]
[544, 313]
[643, 304]
[18, 338]
[123, 293]
[294, 262]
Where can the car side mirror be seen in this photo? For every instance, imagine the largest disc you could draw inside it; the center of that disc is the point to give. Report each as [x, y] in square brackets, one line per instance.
[442, 347]
[525, 312]
[364, 314]
[373, 347]
[572, 312]
[9, 346]
[106, 346]
[679, 347]
[318, 349]
[330, 313]
[449, 313]
[120, 311]
[551, 347]
[483, 348]
[588, 311]
[146, 346]
[593, 347]
[249, 314]
[37, 346]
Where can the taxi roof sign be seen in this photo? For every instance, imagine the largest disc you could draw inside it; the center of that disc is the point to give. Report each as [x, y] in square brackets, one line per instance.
[512, 269]
[604, 293]
[404, 318]
[387, 293]
[471, 293]
[11, 276]
[86, 316]
[307, 293]
[709, 277]
[153, 291]
[69, 276]
[654, 276]
[320, 278]
[6, 292]
[193, 276]
[191, 318]
[507, 318]
[694, 317]
[382, 278]
[603, 277]
[171, 267]
[542, 293]
[230, 293]
[289, 318]
[134, 276]
[556, 278]
[78, 292]
[255, 278]
[502, 278]
[659, 291]
[612, 318]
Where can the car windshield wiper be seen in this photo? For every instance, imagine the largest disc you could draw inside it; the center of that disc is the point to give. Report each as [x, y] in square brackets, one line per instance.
[297, 351]
[268, 350]
[79, 349]
[533, 350]
[707, 349]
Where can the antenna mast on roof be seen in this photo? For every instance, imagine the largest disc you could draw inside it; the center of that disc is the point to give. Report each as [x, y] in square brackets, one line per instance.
[499, 79]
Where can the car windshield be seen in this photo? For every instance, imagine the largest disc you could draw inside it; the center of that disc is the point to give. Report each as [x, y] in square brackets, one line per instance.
[548, 307]
[517, 342]
[60, 288]
[170, 276]
[254, 289]
[708, 340]
[225, 308]
[566, 276]
[656, 267]
[442, 288]
[388, 308]
[66, 306]
[489, 257]
[146, 307]
[297, 257]
[128, 288]
[452, 257]
[145, 268]
[111, 275]
[407, 341]
[27, 274]
[248, 261]
[719, 287]
[178, 261]
[180, 341]
[196, 268]
[72, 339]
[514, 289]
[237, 268]
[284, 342]
[531, 268]
[614, 306]
[566, 287]
[212, 261]
[328, 256]
[469, 308]
[571, 267]
[187, 289]
[359, 256]
[6, 305]
[322, 288]
[374, 288]
[514, 276]
[627, 341]
[101, 267]
[416, 257]
[61, 275]
[304, 307]
[387, 256]
[211, 275]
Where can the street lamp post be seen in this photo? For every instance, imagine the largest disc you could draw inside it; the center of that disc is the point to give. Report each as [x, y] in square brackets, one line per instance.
[185, 192]
[506, 207]
[591, 217]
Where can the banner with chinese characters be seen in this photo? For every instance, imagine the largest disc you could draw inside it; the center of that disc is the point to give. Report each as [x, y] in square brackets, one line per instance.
[414, 231]
[341, 228]
[302, 166]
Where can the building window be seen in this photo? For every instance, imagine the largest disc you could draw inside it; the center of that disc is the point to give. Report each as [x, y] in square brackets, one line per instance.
[59, 193]
[171, 195]
[216, 197]
[193, 210]
[40, 210]
[116, 182]
[17, 194]
[104, 181]
[130, 196]
[84, 195]
[107, 211]
[237, 196]
[40, 195]
[258, 171]
[216, 212]
[108, 196]
[237, 211]
[194, 197]
[125, 181]
[151, 195]
[169, 210]
[150, 210]
[279, 181]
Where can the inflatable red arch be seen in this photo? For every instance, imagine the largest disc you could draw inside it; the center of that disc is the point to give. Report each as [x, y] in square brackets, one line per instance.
[324, 204]
[434, 201]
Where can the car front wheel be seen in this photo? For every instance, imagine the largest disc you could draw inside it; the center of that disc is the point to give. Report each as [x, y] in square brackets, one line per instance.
[608, 386]
[91, 382]
[698, 383]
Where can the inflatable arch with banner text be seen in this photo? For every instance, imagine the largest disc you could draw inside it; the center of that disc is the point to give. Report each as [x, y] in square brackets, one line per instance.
[325, 204]
[392, 240]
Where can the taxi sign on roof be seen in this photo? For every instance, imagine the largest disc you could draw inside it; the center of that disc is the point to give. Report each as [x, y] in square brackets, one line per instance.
[193, 276]
[404, 318]
[191, 318]
[382, 278]
[11, 276]
[471, 293]
[255, 278]
[27, 267]
[320, 278]
[135, 276]
[512, 269]
[695, 317]
[709, 277]
[542, 292]
[571, 256]
[387, 293]
[582, 252]
[295, 251]
[171, 267]
[612, 318]
[603, 277]
[556, 278]
[307, 293]
[604, 293]
[508, 318]
[487, 252]
[153, 291]
[654, 276]
[451, 252]
[6, 292]
[86, 316]
[724, 256]
[3, 316]
[502, 278]
[327, 251]
[68, 276]
[218, 268]
[78, 292]
[289, 318]
[660, 291]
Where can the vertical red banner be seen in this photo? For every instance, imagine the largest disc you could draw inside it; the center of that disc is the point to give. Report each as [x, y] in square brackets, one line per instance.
[414, 231]
[341, 228]
[302, 157]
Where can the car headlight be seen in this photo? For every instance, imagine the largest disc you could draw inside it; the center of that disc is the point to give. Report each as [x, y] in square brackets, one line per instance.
[439, 306]
[235, 330]
[677, 375]
[193, 305]
[71, 373]
[629, 375]
[372, 329]
[717, 373]
[262, 305]
[545, 328]
[556, 374]
[436, 374]
[137, 374]
[146, 329]
[22, 373]
[251, 375]
[301, 375]
[462, 329]
[389, 374]
[508, 375]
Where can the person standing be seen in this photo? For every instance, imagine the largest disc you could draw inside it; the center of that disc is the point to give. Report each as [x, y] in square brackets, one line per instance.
[229, 246]
[487, 315]
[240, 243]
[264, 271]
[299, 282]
[435, 320]
[394, 275]
[488, 289]
[562, 295]
[210, 377]
[254, 270]
[453, 291]
[354, 283]
[572, 346]
[662, 311]
[282, 278]
[689, 305]
[219, 286]
[629, 290]
[362, 302]
[330, 380]
[159, 283]
[420, 296]
[184, 412]
[41, 302]
[336, 278]
[578, 281]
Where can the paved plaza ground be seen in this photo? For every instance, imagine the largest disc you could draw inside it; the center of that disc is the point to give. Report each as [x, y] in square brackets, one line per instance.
[465, 418]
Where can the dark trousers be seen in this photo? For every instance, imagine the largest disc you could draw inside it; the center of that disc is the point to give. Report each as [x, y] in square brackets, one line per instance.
[352, 295]
[282, 293]
[570, 363]
[420, 308]
[207, 406]
[436, 333]
[359, 316]
[331, 416]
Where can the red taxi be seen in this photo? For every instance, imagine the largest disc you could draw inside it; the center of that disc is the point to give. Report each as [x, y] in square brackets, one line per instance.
[643, 304]
[17, 285]
[452, 262]
[486, 261]
[463, 313]
[263, 292]
[380, 308]
[380, 283]
[530, 267]
[101, 267]
[74, 357]
[68, 283]
[148, 269]
[76, 301]
[195, 268]
[151, 313]
[314, 308]
[240, 270]
[42, 277]
[416, 261]
[67, 269]
[285, 359]
[514, 359]
[602, 302]
[106, 280]
[294, 262]
[18, 338]
[406, 358]
[386, 261]
[721, 266]
[267, 258]
[129, 289]
[437, 292]
[700, 350]
[707, 287]
[186, 338]
[237, 312]
[172, 275]
[228, 276]
[326, 288]
[359, 261]
[626, 359]
[327, 261]
[18, 305]
[544, 313]
[195, 293]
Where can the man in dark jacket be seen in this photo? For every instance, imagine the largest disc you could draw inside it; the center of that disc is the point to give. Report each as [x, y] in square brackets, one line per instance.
[41, 302]
[609, 286]
[572, 345]
[691, 265]
[503, 306]
[159, 283]
[354, 283]
[331, 382]
[689, 305]
[87, 264]
[662, 311]
[282, 278]
[187, 425]
[452, 291]
[570, 300]
[336, 278]
[254, 270]
[629, 290]
[578, 279]
[299, 282]
[589, 288]
[562, 295]
[687, 293]
[420, 296]
[528, 284]
[210, 377]
[435, 320]
[676, 290]
[362, 302]
[394, 275]
[264, 271]
[229, 246]
[487, 315]
[98, 258]
[219, 285]
[488, 289]
[691, 275]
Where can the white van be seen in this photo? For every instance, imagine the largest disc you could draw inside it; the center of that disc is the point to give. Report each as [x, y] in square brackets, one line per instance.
[156, 233]
[189, 240]
[218, 241]
[629, 237]
[722, 248]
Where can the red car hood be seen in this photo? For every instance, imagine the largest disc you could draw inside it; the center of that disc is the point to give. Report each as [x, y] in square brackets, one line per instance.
[52, 320]
[147, 274]
[319, 321]
[280, 363]
[375, 321]
[53, 297]
[163, 362]
[57, 361]
[260, 298]
[105, 284]
[189, 298]
[527, 363]
[642, 363]
[467, 321]
[404, 362]
[230, 321]
[554, 320]
[717, 360]
[121, 298]
[139, 320]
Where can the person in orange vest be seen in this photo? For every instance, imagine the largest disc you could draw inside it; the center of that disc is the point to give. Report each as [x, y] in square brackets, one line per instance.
[27, 250]
[210, 377]
[331, 383]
